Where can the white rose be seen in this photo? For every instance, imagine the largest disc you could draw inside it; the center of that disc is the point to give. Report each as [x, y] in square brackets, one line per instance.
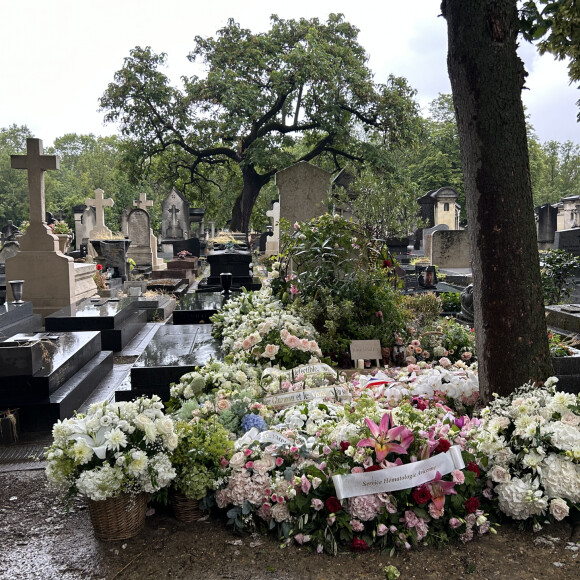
[570, 419]
[559, 509]
[238, 460]
[164, 425]
[500, 475]
[267, 463]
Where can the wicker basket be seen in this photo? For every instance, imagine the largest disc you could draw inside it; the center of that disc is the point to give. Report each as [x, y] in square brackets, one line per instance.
[118, 518]
[185, 509]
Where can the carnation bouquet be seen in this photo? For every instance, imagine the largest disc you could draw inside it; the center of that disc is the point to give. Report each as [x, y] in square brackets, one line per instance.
[114, 448]
[530, 445]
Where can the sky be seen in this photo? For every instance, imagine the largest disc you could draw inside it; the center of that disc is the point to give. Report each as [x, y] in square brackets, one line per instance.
[57, 57]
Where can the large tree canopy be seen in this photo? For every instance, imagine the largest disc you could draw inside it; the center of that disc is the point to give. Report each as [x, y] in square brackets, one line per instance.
[302, 80]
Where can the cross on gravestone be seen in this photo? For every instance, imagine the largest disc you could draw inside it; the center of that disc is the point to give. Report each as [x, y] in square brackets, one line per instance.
[143, 202]
[36, 163]
[99, 204]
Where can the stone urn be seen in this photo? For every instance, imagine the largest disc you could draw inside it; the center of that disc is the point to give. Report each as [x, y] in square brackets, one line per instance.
[64, 241]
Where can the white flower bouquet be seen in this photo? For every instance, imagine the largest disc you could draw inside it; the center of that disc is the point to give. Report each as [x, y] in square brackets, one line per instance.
[255, 327]
[114, 448]
[530, 443]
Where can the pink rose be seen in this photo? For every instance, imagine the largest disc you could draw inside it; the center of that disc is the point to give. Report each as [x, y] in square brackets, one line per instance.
[271, 350]
[357, 469]
[317, 504]
[458, 476]
[454, 523]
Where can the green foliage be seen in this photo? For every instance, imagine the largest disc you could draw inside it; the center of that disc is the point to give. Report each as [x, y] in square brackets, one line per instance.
[450, 301]
[302, 80]
[336, 274]
[436, 161]
[13, 184]
[555, 25]
[197, 459]
[421, 309]
[557, 267]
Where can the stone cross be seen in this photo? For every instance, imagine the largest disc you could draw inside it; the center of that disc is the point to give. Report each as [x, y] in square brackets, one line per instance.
[143, 202]
[99, 204]
[36, 163]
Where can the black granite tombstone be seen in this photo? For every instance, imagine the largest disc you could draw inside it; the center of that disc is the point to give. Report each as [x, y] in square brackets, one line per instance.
[15, 318]
[237, 263]
[113, 254]
[172, 352]
[196, 308]
[192, 245]
[119, 320]
[67, 367]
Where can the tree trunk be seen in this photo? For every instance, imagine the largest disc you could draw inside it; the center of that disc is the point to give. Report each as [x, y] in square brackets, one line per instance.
[486, 79]
[244, 203]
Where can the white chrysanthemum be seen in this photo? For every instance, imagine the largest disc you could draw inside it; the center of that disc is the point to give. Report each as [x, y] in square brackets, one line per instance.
[116, 439]
[560, 402]
[533, 458]
[561, 478]
[82, 452]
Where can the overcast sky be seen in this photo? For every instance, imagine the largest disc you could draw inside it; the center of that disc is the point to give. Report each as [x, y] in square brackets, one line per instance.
[58, 56]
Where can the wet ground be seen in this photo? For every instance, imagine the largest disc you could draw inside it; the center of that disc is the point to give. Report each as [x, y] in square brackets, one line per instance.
[39, 540]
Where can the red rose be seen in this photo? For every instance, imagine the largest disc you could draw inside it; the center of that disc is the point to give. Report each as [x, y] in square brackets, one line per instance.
[471, 505]
[333, 504]
[99, 267]
[421, 495]
[358, 545]
[473, 467]
[387, 264]
[373, 468]
[442, 446]
[344, 445]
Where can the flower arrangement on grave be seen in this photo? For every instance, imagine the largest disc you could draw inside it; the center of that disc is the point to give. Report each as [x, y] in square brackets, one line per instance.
[201, 457]
[561, 346]
[183, 254]
[228, 390]
[255, 327]
[114, 448]
[99, 278]
[288, 486]
[332, 273]
[529, 443]
[456, 385]
[444, 339]
[60, 227]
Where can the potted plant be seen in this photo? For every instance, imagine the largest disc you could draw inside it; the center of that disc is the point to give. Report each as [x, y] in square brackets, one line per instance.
[114, 455]
[201, 462]
[64, 234]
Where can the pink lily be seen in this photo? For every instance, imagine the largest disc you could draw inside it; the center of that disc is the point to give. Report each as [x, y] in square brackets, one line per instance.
[384, 439]
[439, 489]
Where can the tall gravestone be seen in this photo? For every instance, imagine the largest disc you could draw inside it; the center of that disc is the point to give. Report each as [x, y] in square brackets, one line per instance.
[85, 222]
[174, 220]
[143, 203]
[303, 192]
[51, 279]
[100, 231]
[139, 230]
[547, 216]
[273, 242]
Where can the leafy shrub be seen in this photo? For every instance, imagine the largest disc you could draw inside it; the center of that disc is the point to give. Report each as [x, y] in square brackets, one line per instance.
[450, 301]
[557, 267]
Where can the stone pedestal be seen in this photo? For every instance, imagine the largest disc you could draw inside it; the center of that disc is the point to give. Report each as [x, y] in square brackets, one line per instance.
[49, 276]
